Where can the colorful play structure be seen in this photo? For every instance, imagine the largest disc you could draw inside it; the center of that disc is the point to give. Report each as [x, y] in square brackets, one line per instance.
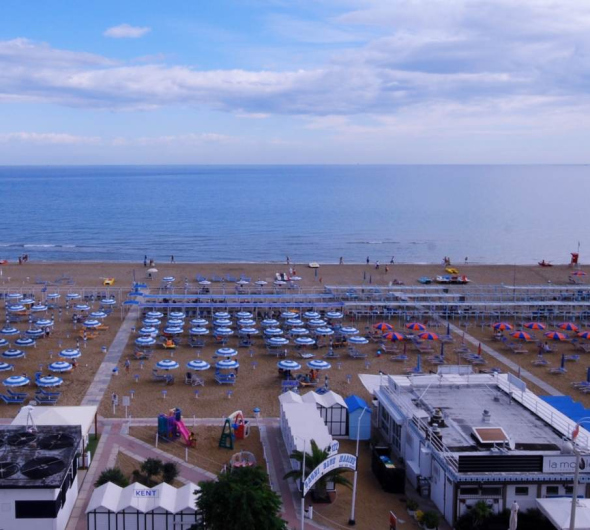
[235, 427]
[171, 427]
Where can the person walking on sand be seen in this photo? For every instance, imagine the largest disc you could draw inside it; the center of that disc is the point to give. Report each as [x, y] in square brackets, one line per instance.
[127, 366]
[288, 260]
[392, 260]
[368, 260]
[172, 258]
[466, 260]
[341, 260]
[377, 264]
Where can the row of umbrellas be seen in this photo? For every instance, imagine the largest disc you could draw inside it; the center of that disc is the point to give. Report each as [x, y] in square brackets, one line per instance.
[553, 335]
[231, 364]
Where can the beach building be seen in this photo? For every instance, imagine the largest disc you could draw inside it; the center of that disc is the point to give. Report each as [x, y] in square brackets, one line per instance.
[38, 476]
[466, 437]
[359, 418]
[332, 409]
[138, 507]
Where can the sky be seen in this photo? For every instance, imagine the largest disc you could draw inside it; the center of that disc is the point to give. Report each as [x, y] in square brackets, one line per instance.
[294, 82]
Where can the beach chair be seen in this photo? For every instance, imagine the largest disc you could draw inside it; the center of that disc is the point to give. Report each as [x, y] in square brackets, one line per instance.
[139, 355]
[289, 385]
[558, 371]
[42, 392]
[12, 393]
[305, 354]
[225, 379]
[12, 400]
[399, 358]
[193, 380]
[244, 342]
[388, 348]
[40, 399]
[353, 353]
[167, 379]
[196, 342]
[331, 354]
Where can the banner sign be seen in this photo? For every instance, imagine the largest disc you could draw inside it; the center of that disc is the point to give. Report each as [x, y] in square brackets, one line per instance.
[342, 461]
[146, 493]
[565, 464]
[333, 448]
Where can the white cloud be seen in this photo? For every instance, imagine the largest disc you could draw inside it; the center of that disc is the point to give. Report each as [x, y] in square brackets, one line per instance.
[49, 138]
[126, 31]
[174, 140]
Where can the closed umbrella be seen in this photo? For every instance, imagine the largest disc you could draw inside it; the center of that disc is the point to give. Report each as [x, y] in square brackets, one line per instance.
[198, 365]
[167, 364]
[226, 352]
[49, 381]
[13, 353]
[70, 353]
[16, 380]
[60, 366]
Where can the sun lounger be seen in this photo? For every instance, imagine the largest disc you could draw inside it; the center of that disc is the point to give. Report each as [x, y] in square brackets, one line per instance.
[289, 384]
[388, 348]
[12, 393]
[558, 371]
[574, 358]
[167, 379]
[45, 400]
[356, 354]
[583, 347]
[193, 380]
[13, 400]
[447, 339]
[142, 354]
[399, 358]
[41, 392]
[331, 354]
[305, 354]
[225, 379]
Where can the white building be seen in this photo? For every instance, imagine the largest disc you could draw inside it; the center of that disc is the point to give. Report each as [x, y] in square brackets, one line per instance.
[333, 410]
[137, 507]
[38, 476]
[469, 437]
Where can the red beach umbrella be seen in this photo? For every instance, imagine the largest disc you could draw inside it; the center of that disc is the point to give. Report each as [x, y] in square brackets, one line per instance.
[383, 326]
[555, 335]
[584, 335]
[568, 326]
[522, 335]
[393, 336]
[535, 325]
[416, 326]
[502, 326]
[428, 336]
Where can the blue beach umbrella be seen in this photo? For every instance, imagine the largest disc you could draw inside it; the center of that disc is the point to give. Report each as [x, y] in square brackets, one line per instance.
[221, 314]
[24, 342]
[223, 332]
[294, 322]
[3, 343]
[244, 315]
[334, 315]
[198, 365]
[177, 314]
[222, 323]
[53, 296]
[226, 352]
[246, 322]
[108, 302]
[317, 323]
[198, 331]
[349, 330]
[304, 341]
[172, 331]
[324, 331]
[269, 323]
[5, 367]
[98, 314]
[248, 331]
[175, 323]
[287, 364]
[562, 365]
[319, 364]
[357, 340]
[261, 283]
[17, 308]
[82, 307]
[148, 331]
[168, 279]
[9, 331]
[199, 322]
[151, 322]
[91, 323]
[273, 332]
[278, 341]
[44, 323]
[167, 364]
[16, 380]
[418, 363]
[34, 333]
[39, 308]
[227, 364]
[310, 315]
[204, 282]
[154, 314]
[49, 381]
[73, 296]
[288, 314]
[299, 332]
[14, 296]
[144, 342]
[13, 353]
[60, 366]
[70, 353]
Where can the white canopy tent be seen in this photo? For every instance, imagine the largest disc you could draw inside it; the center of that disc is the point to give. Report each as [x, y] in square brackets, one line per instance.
[83, 416]
[558, 511]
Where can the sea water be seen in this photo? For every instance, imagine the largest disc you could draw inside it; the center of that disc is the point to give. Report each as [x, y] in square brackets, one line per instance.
[490, 214]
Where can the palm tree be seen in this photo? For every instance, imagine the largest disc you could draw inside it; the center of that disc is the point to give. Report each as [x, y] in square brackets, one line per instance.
[151, 467]
[313, 460]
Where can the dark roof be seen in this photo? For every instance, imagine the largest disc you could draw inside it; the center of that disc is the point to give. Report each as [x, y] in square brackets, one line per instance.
[37, 458]
[355, 402]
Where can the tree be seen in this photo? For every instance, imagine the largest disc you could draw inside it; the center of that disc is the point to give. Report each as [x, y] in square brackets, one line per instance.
[169, 472]
[240, 499]
[114, 475]
[313, 460]
[151, 467]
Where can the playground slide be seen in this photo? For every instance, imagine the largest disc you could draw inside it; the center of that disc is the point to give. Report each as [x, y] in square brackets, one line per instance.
[184, 432]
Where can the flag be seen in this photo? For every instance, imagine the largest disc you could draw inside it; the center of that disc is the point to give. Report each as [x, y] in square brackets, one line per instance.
[576, 431]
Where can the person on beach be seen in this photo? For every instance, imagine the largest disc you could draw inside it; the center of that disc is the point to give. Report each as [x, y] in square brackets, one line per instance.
[341, 260]
[288, 260]
[392, 260]
[127, 366]
[368, 260]
[172, 259]
[386, 269]
[145, 261]
[377, 264]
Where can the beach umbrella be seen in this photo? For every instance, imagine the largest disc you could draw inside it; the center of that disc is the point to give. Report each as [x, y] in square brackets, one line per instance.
[176, 314]
[168, 279]
[416, 326]
[16, 380]
[383, 326]
[153, 270]
[555, 335]
[81, 307]
[16, 308]
[148, 331]
[568, 326]
[70, 353]
[226, 352]
[318, 364]
[269, 323]
[44, 323]
[248, 331]
[349, 330]
[334, 315]
[198, 331]
[49, 381]
[53, 296]
[198, 365]
[295, 278]
[324, 331]
[24, 342]
[34, 333]
[175, 323]
[5, 367]
[393, 336]
[584, 335]
[108, 301]
[289, 314]
[154, 314]
[222, 323]
[227, 364]
[280, 283]
[204, 282]
[311, 315]
[144, 342]
[246, 323]
[273, 332]
[151, 322]
[91, 323]
[428, 336]
[244, 315]
[60, 366]
[578, 273]
[261, 283]
[278, 341]
[295, 322]
[14, 296]
[223, 332]
[502, 326]
[299, 332]
[287, 364]
[172, 331]
[221, 314]
[13, 353]
[73, 296]
[242, 282]
[357, 340]
[38, 308]
[304, 341]
[3, 343]
[317, 323]
[535, 325]
[27, 301]
[9, 331]
[167, 364]
[199, 322]
[522, 335]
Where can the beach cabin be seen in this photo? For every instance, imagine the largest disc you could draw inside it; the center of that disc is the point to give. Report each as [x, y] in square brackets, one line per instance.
[356, 406]
[137, 507]
[332, 409]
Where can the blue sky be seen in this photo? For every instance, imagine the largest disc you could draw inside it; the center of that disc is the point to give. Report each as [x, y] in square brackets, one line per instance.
[311, 81]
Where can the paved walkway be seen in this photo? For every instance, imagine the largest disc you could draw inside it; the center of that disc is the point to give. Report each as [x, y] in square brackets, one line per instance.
[524, 374]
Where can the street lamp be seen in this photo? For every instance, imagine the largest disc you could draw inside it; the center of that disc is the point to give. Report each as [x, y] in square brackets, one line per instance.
[352, 521]
[576, 472]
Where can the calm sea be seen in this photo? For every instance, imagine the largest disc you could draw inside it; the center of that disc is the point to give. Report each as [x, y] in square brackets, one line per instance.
[492, 214]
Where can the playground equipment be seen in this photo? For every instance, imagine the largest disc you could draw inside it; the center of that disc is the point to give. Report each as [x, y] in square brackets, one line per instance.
[235, 427]
[242, 459]
[171, 427]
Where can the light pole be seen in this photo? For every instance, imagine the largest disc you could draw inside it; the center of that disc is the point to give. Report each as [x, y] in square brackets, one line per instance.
[352, 521]
[576, 472]
[302, 489]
